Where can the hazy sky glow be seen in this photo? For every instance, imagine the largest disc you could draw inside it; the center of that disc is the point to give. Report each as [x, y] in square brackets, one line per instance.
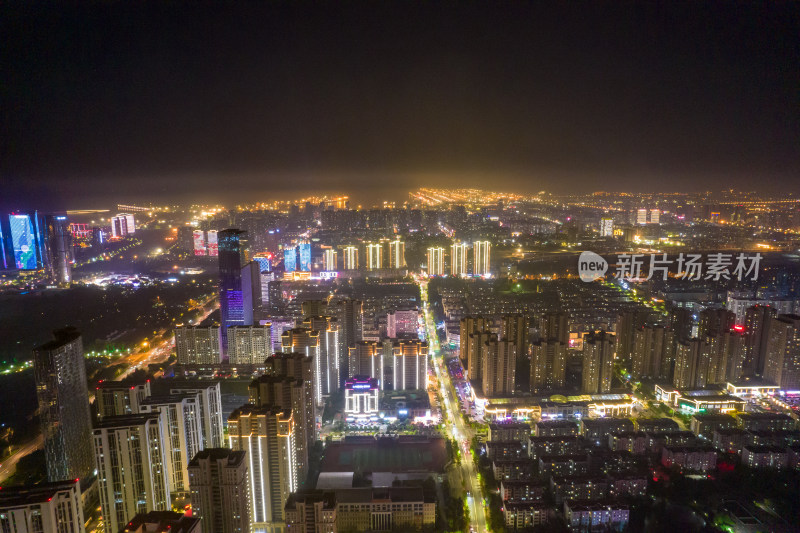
[127, 99]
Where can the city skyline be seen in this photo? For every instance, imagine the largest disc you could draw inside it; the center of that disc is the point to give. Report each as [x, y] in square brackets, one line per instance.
[282, 98]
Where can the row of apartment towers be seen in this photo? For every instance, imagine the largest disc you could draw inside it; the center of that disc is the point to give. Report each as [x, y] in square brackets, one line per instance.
[686, 350]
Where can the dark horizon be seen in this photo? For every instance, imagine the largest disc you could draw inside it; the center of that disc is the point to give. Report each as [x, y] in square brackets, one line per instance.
[229, 103]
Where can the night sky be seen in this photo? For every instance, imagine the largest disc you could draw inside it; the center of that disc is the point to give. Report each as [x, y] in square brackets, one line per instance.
[123, 101]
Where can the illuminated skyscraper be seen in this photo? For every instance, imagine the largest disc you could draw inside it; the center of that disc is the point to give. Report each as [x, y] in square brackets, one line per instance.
[548, 365]
[782, 362]
[305, 256]
[606, 227]
[350, 315]
[329, 260]
[64, 414]
[307, 342]
[366, 359]
[598, 363]
[458, 259]
[397, 254]
[199, 242]
[641, 216]
[410, 365]
[655, 216]
[268, 435]
[131, 467]
[469, 324]
[26, 242]
[210, 407]
[481, 257]
[498, 367]
[435, 261]
[219, 479]
[688, 364]
[351, 257]
[232, 257]
[374, 256]
[301, 368]
[123, 224]
[198, 345]
[58, 249]
[212, 243]
[329, 351]
[249, 345]
[290, 259]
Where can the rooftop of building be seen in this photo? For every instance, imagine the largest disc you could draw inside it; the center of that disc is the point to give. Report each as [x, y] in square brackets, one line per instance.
[22, 495]
[162, 522]
[124, 384]
[590, 505]
[557, 424]
[763, 416]
[386, 454]
[714, 417]
[250, 409]
[216, 454]
[125, 420]
[62, 337]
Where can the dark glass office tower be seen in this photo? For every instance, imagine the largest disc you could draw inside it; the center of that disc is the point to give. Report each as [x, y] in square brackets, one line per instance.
[58, 249]
[64, 406]
[232, 256]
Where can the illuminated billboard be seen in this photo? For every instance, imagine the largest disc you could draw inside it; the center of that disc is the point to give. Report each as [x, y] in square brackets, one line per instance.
[290, 259]
[23, 242]
[212, 244]
[305, 256]
[199, 242]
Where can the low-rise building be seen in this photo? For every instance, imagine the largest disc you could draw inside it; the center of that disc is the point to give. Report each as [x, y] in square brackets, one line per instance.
[596, 516]
[511, 431]
[579, 488]
[636, 442]
[766, 422]
[563, 465]
[512, 469]
[525, 515]
[627, 485]
[765, 457]
[656, 425]
[730, 440]
[597, 430]
[692, 458]
[556, 428]
[555, 446]
[505, 450]
[521, 491]
[361, 399]
[704, 424]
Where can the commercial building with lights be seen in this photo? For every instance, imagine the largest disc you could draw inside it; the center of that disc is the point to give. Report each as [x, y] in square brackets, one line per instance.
[361, 399]
[698, 401]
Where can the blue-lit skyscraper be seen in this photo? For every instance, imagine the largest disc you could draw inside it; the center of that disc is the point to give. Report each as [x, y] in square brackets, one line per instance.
[305, 256]
[25, 241]
[232, 256]
[58, 249]
[264, 263]
[290, 259]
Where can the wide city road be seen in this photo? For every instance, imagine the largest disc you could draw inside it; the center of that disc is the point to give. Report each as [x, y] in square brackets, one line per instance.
[454, 421]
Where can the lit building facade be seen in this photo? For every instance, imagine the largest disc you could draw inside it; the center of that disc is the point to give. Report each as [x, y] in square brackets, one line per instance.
[350, 255]
[42, 508]
[132, 471]
[397, 254]
[366, 359]
[249, 345]
[498, 367]
[410, 365]
[219, 481]
[361, 399]
[436, 261]
[458, 259]
[598, 363]
[481, 265]
[268, 436]
[374, 256]
[198, 345]
[64, 413]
